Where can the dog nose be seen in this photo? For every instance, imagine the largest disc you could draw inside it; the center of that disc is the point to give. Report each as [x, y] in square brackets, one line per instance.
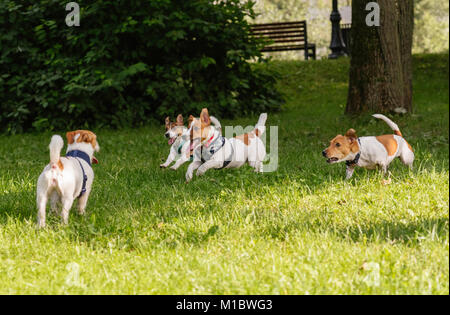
[167, 135]
[324, 153]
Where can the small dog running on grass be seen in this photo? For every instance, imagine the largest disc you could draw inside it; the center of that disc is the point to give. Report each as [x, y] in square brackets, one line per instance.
[369, 152]
[179, 140]
[216, 151]
[67, 178]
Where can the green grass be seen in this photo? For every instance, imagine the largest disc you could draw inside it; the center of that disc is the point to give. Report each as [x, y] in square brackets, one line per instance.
[299, 230]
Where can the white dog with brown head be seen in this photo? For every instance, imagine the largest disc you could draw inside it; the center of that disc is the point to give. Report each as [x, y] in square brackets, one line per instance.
[179, 141]
[67, 178]
[212, 150]
[369, 152]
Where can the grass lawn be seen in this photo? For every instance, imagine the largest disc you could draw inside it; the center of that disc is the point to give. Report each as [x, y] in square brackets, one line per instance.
[299, 230]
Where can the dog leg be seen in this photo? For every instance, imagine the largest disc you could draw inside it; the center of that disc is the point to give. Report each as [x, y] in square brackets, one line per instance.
[208, 165]
[407, 158]
[190, 171]
[66, 205]
[180, 162]
[169, 160]
[41, 204]
[54, 202]
[257, 165]
[82, 201]
[349, 172]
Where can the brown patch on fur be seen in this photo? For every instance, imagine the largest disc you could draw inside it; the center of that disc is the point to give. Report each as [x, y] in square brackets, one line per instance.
[245, 138]
[389, 142]
[257, 132]
[60, 165]
[341, 146]
[167, 123]
[180, 120]
[204, 117]
[200, 127]
[190, 120]
[85, 136]
[398, 133]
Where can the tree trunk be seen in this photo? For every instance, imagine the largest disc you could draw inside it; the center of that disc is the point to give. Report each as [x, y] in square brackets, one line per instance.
[381, 67]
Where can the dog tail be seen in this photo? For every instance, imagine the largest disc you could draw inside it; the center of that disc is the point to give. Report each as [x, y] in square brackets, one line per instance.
[390, 123]
[216, 123]
[261, 125]
[55, 146]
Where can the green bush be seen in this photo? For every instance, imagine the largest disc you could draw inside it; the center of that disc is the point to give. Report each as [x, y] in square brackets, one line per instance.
[127, 63]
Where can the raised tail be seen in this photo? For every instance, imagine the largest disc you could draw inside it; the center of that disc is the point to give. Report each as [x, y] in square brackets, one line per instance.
[390, 123]
[55, 146]
[260, 126]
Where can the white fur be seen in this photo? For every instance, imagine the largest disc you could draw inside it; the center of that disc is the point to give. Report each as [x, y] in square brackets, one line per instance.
[184, 155]
[373, 153]
[64, 186]
[254, 153]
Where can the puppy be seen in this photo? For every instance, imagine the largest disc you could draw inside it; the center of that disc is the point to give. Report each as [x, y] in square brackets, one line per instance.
[67, 178]
[179, 140]
[369, 152]
[214, 151]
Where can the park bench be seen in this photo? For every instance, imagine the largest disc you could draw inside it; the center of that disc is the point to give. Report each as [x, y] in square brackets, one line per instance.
[285, 36]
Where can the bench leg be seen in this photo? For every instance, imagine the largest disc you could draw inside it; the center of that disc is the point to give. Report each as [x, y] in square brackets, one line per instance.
[306, 54]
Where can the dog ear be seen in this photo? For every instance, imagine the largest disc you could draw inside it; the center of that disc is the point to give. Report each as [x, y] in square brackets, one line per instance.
[70, 135]
[204, 117]
[167, 121]
[180, 120]
[190, 120]
[88, 137]
[351, 135]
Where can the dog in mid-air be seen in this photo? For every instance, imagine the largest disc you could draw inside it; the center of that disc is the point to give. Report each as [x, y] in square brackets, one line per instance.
[67, 178]
[369, 152]
[216, 151]
[179, 140]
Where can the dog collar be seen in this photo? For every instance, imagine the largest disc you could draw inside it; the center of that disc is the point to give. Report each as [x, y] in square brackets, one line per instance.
[180, 146]
[77, 154]
[356, 159]
[215, 146]
[80, 154]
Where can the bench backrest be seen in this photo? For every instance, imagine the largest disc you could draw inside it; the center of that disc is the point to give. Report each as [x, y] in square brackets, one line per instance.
[282, 33]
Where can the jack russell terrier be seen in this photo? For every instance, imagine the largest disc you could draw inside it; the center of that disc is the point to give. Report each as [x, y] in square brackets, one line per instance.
[369, 152]
[212, 150]
[179, 140]
[67, 178]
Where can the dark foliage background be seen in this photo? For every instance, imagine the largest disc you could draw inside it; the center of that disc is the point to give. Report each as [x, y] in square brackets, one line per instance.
[130, 61]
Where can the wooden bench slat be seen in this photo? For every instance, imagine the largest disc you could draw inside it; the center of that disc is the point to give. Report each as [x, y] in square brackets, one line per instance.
[293, 33]
[285, 36]
[298, 37]
[277, 28]
[279, 24]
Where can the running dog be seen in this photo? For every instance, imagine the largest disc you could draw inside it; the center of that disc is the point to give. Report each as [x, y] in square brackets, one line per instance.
[67, 178]
[212, 150]
[369, 152]
[178, 135]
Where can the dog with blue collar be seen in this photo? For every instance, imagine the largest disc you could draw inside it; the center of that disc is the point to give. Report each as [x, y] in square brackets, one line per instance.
[67, 178]
[371, 151]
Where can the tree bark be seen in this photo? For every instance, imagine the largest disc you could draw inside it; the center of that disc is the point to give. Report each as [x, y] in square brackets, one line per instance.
[381, 62]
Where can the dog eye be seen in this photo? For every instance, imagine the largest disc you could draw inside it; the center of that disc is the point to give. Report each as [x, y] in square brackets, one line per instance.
[338, 144]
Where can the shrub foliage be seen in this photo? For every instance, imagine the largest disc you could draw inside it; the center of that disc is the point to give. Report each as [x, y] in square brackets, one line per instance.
[127, 63]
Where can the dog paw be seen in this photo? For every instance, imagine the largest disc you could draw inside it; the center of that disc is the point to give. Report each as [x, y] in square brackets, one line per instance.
[162, 166]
